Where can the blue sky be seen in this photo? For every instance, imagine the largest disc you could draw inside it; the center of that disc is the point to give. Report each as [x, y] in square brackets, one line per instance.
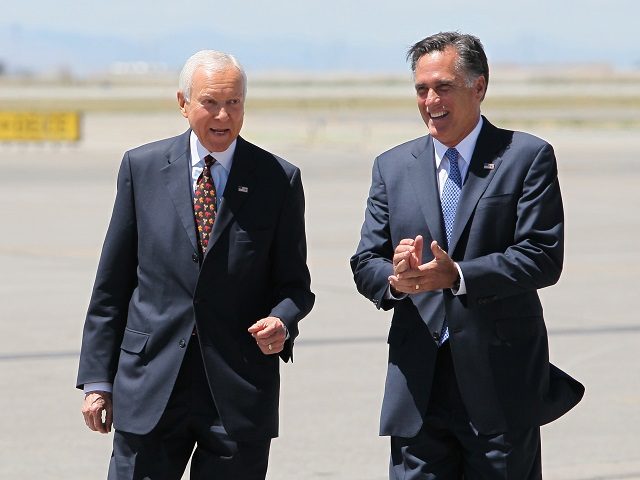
[330, 35]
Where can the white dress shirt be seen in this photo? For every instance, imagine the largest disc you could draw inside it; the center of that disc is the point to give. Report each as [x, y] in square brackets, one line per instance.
[219, 170]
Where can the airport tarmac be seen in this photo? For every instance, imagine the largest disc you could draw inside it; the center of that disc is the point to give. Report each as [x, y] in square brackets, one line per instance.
[55, 202]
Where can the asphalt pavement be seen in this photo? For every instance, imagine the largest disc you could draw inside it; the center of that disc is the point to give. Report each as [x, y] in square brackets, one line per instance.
[55, 202]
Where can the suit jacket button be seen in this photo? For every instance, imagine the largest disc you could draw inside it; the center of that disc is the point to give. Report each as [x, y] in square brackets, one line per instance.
[195, 258]
[182, 343]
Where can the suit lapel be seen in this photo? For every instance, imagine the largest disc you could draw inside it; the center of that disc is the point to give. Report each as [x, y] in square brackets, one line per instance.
[176, 178]
[240, 185]
[422, 169]
[478, 177]
[423, 179]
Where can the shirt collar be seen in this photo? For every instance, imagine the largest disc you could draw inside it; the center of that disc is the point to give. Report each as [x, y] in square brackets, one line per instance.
[465, 147]
[198, 152]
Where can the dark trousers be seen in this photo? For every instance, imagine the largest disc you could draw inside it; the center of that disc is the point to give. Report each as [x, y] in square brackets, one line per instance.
[190, 420]
[448, 447]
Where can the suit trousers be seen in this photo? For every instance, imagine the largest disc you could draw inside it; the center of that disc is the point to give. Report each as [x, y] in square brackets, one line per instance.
[448, 447]
[190, 420]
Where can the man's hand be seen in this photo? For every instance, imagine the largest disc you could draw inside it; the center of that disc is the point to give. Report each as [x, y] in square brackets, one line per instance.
[407, 255]
[438, 274]
[95, 403]
[270, 335]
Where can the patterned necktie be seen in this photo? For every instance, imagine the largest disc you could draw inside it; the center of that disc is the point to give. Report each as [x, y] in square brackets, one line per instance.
[204, 204]
[450, 197]
[451, 192]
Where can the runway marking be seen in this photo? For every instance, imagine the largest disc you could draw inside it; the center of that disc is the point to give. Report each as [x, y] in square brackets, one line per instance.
[594, 330]
[37, 355]
[52, 252]
[319, 342]
[613, 476]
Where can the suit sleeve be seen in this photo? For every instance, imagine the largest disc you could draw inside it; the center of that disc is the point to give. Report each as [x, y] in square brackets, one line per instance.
[115, 280]
[290, 277]
[372, 262]
[534, 259]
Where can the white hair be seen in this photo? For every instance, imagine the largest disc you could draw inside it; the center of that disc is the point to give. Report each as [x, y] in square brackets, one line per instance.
[211, 61]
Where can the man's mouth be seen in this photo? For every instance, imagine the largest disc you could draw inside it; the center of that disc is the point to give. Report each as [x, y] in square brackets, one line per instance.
[219, 131]
[437, 115]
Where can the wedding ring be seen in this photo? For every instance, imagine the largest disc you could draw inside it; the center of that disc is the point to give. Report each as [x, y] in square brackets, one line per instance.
[270, 347]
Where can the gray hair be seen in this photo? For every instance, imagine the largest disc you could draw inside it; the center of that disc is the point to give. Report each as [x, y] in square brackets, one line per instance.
[472, 61]
[211, 61]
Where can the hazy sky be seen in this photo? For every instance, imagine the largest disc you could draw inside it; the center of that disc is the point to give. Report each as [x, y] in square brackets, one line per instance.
[313, 35]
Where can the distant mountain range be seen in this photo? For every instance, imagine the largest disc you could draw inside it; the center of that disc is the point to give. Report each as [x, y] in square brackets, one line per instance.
[25, 50]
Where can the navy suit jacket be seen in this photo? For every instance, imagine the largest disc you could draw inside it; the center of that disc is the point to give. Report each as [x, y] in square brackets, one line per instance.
[508, 242]
[152, 288]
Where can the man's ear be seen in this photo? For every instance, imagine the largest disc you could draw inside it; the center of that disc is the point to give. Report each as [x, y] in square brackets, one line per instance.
[182, 103]
[480, 87]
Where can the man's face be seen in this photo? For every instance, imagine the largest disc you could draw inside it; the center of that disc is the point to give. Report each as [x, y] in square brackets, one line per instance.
[449, 108]
[216, 108]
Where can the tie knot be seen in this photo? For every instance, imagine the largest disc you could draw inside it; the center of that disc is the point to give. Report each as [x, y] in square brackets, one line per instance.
[452, 154]
[454, 169]
[208, 161]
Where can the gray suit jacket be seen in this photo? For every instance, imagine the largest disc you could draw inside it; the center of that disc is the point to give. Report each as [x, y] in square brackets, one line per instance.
[152, 287]
[508, 241]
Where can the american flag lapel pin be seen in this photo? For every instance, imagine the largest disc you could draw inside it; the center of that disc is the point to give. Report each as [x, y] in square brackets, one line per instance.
[489, 166]
[243, 189]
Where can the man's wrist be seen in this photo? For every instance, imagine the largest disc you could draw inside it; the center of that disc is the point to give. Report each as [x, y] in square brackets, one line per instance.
[460, 288]
[456, 283]
[393, 294]
[105, 387]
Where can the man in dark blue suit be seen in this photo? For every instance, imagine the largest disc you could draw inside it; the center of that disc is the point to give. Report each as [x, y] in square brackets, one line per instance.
[462, 228]
[200, 287]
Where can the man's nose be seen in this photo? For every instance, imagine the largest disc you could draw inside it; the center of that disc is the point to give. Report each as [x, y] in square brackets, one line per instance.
[432, 97]
[222, 114]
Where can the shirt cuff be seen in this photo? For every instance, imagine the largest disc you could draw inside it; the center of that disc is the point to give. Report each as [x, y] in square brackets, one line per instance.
[462, 289]
[97, 387]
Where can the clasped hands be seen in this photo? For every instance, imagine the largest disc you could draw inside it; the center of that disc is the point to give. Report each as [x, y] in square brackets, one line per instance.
[411, 276]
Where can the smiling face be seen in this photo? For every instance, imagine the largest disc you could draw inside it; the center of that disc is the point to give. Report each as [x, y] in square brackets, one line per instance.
[216, 108]
[449, 106]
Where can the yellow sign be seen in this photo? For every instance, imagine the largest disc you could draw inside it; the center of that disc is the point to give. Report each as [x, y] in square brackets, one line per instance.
[40, 126]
